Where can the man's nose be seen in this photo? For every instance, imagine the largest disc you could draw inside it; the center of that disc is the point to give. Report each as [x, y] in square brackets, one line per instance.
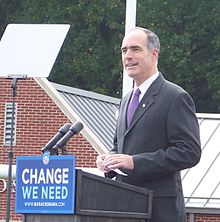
[128, 54]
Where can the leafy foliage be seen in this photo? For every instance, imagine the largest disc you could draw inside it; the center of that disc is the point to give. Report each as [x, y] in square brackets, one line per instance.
[189, 34]
[90, 57]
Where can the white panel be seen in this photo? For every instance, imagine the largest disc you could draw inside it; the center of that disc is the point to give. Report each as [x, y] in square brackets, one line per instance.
[30, 49]
[195, 174]
[206, 130]
[210, 181]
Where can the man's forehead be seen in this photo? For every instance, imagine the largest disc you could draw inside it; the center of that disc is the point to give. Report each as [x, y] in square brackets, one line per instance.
[134, 38]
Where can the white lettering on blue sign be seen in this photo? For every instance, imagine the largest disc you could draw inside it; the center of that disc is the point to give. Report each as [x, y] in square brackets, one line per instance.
[47, 192]
[53, 176]
[30, 192]
[45, 176]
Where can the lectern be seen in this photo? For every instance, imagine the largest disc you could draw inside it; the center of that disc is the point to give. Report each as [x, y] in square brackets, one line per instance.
[100, 199]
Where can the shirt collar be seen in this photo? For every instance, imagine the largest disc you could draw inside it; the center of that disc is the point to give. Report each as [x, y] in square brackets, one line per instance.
[146, 84]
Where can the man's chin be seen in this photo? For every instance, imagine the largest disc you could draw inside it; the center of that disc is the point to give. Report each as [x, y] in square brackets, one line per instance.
[131, 74]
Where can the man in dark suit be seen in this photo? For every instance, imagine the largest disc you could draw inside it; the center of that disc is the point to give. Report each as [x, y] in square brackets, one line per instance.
[162, 138]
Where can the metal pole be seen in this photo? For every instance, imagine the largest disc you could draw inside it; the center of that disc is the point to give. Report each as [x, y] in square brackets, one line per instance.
[130, 22]
[10, 153]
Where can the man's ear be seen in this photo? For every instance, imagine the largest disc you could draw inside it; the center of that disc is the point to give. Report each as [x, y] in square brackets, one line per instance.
[156, 53]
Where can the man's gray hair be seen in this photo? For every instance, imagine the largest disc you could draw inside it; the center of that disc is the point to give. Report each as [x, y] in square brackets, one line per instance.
[153, 40]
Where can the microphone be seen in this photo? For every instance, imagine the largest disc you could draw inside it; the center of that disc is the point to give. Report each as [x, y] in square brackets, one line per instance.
[74, 129]
[61, 132]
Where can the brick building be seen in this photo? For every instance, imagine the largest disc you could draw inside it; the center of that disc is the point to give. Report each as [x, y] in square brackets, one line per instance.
[43, 107]
[38, 118]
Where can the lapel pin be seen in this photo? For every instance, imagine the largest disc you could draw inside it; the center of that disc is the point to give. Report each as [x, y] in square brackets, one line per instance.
[144, 105]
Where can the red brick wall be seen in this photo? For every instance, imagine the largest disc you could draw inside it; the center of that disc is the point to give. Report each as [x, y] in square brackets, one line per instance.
[205, 218]
[38, 119]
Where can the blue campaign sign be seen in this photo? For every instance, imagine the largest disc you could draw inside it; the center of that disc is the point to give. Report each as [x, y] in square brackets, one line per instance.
[45, 184]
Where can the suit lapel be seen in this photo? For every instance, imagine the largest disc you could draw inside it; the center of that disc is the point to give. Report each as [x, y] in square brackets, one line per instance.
[147, 100]
[123, 115]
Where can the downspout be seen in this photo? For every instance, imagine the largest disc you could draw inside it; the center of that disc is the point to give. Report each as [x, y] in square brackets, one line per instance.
[191, 217]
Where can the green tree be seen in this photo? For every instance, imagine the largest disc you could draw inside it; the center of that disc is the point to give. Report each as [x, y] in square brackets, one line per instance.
[90, 57]
[3, 15]
[189, 33]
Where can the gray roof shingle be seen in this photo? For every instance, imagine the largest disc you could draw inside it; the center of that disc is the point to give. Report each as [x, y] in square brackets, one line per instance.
[96, 110]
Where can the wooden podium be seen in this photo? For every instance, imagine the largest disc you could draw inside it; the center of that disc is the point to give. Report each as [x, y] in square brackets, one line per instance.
[100, 199]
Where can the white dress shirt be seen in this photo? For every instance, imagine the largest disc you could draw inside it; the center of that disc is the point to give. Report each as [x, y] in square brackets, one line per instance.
[146, 84]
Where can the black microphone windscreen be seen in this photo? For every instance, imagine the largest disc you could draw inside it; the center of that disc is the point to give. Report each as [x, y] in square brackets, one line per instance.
[77, 127]
[74, 129]
[65, 128]
[61, 132]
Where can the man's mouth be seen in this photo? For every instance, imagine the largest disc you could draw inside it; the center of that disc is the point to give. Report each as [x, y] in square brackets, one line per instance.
[131, 65]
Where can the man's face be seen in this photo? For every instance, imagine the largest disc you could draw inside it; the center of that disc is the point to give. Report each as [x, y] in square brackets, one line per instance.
[138, 61]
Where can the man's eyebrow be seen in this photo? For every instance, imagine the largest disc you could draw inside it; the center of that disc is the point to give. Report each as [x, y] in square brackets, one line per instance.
[130, 47]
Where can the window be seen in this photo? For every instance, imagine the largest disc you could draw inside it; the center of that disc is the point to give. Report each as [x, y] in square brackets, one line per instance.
[8, 124]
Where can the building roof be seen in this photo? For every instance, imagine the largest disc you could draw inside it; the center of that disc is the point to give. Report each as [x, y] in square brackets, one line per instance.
[201, 184]
[96, 110]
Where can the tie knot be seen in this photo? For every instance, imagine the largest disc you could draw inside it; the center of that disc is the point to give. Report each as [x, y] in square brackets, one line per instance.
[137, 92]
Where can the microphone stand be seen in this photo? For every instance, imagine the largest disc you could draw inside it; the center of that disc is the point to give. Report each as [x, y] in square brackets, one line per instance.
[64, 150]
[55, 152]
[10, 153]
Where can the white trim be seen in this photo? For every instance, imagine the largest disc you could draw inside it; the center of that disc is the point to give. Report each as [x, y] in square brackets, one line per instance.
[70, 114]
[208, 115]
[4, 171]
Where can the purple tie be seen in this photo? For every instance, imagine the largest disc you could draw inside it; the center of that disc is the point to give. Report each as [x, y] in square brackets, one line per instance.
[133, 106]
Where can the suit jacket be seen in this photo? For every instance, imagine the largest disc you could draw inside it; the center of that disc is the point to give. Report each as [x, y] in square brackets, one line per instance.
[163, 139]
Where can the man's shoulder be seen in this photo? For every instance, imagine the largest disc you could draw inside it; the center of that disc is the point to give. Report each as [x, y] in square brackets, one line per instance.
[173, 87]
